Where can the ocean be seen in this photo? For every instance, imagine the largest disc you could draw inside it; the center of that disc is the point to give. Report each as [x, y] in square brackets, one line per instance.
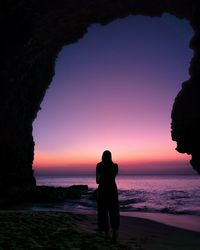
[168, 194]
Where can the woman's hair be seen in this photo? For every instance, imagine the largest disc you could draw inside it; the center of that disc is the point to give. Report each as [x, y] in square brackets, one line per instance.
[107, 156]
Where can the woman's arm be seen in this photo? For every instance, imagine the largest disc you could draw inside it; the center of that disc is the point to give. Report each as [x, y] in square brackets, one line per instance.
[116, 169]
[97, 174]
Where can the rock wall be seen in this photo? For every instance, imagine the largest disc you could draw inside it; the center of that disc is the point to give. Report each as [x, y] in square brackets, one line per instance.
[186, 108]
[32, 34]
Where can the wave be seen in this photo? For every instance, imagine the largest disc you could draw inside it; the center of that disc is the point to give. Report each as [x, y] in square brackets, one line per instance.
[167, 195]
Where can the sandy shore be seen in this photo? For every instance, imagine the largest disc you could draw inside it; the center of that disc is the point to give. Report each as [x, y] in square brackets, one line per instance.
[60, 231]
[188, 222]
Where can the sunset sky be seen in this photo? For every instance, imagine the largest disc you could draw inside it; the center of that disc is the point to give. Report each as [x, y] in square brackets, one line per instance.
[114, 89]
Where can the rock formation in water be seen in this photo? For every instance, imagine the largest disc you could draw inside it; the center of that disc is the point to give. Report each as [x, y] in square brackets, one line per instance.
[32, 34]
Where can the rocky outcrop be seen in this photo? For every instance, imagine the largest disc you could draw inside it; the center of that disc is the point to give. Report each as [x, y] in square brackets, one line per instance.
[44, 194]
[32, 34]
[55, 194]
[186, 108]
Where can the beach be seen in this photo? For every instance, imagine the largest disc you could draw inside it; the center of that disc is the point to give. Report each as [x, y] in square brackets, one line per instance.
[157, 213]
[64, 230]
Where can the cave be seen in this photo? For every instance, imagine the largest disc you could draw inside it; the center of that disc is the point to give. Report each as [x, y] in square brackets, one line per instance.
[33, 33]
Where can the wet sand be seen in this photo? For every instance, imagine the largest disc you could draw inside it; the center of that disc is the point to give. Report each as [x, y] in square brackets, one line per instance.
[188, 222]
[58, 230]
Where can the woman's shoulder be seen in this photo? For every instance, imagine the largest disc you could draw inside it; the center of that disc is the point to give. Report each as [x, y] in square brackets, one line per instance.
[99, 165]
[115, 167]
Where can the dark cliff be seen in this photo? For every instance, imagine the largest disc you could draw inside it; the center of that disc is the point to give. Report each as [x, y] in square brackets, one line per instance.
[32, 34]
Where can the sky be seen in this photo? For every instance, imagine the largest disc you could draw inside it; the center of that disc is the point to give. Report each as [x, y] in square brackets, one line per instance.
[114, 90]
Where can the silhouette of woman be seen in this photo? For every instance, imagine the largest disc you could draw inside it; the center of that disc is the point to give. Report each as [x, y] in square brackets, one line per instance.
[107, 196]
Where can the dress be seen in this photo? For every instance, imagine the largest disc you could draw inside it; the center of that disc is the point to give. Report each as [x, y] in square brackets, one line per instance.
[107, 198]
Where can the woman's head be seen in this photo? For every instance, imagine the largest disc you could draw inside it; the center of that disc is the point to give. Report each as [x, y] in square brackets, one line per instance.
[107, 156]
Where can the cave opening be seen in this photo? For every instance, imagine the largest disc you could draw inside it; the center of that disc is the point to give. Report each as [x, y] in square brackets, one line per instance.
[32, 35]
[118, 82]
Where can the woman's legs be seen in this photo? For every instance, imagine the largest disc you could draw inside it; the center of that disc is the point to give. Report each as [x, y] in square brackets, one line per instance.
[108, 208]
[114, 218]
[114, 215]
[102, 212]
[103, 222]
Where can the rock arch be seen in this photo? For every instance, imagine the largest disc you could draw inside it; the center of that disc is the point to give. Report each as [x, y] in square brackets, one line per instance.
[32, 34]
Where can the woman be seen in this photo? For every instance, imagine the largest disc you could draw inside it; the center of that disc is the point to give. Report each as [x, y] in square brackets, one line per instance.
[107, 198]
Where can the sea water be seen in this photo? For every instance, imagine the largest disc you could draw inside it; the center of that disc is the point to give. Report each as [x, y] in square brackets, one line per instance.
[169, 194]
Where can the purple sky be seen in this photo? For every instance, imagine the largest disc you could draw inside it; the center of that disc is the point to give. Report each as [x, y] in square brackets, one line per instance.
[114, 89]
